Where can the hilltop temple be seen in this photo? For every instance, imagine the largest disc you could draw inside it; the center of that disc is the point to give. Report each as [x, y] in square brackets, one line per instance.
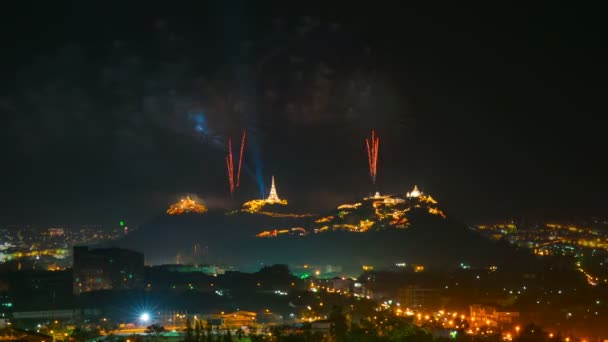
[255, 206]
[187, 205]
[272, 196]
[414, 193]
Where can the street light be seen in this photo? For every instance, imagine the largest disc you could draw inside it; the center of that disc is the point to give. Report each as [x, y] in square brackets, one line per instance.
[145, 317]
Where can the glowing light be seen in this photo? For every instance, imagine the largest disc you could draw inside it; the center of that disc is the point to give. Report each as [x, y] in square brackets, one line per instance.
[324, 219]
[230, 167]
[187, 205]
[230, 164]
[373, 145]
[414, 193]
[144, 317]
[349, 206]
[273, 197]
[238, 174]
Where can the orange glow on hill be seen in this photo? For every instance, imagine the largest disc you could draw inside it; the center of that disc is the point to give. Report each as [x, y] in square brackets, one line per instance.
[187, 205]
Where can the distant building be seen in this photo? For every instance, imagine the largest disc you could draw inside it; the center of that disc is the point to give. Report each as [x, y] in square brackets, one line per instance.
[272, 196]
[107, 269]
[56, 231]
[415, 193]
[341, 284]
[419, 297]
[321, 326]
[231, 320]
[13, 334]
[37, 290]
[238, 319]
[488, 315]
[205, 269]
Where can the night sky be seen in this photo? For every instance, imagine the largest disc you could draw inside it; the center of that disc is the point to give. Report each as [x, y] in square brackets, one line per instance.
[113, 111]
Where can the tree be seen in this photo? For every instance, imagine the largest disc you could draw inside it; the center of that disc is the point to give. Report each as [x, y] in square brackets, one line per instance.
[83, 335]
[338, 328]
[209, 329]
[156, 331]
[197, 331]
[532, 333]
[227, 336]
[240, 334]
[189, 337]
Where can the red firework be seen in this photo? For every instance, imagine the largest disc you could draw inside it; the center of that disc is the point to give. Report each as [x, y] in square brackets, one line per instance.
[230, 165]
[373, 146]
[238, 173]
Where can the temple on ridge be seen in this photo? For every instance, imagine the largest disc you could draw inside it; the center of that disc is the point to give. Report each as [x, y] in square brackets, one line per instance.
[414, 193]
[273, 197]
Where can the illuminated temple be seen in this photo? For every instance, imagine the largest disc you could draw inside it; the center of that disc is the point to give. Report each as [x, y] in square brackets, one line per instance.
[273, 197]
[375, 212]
[255, 206]
[414, 193]
[187, 205]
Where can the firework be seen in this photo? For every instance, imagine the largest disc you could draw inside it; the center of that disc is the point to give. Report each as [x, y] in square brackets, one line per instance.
[238, 173]
[230, 165]
[373, 146]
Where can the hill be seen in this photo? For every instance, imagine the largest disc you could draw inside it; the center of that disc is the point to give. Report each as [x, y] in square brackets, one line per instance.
[378, 230]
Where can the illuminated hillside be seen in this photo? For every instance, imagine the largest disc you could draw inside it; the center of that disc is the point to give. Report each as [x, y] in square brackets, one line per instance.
[378, 212]
[377, 230]
[257, 205]
[270, 205]
[187, 205]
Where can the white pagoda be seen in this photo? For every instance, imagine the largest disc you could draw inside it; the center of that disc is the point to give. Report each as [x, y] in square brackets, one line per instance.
[272, 196]
[414, 193]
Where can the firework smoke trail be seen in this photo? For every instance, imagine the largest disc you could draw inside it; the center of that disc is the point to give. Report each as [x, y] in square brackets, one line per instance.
[238, 173]
[373, 146]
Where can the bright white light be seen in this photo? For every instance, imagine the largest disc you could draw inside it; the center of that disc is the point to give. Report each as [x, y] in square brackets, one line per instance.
[144, 317]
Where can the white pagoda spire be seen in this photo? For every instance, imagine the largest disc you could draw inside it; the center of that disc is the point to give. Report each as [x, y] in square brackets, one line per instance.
[273, 197]
[414, 193]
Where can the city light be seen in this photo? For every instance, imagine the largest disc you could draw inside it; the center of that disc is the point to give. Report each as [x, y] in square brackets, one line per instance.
[144, 317]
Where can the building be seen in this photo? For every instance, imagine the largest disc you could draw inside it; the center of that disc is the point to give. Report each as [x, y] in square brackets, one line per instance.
[238, 319]
[419, 297]
[107, 269]
[322, 327]
[488, 315]
[37, 290]
[256, 205]
[12, 334]
[231, 320]
[273, 197]
[415, 193]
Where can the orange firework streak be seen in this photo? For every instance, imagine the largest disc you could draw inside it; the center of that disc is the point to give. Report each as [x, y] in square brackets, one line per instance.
[373, 146]
[230, 166]
[238, 173]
